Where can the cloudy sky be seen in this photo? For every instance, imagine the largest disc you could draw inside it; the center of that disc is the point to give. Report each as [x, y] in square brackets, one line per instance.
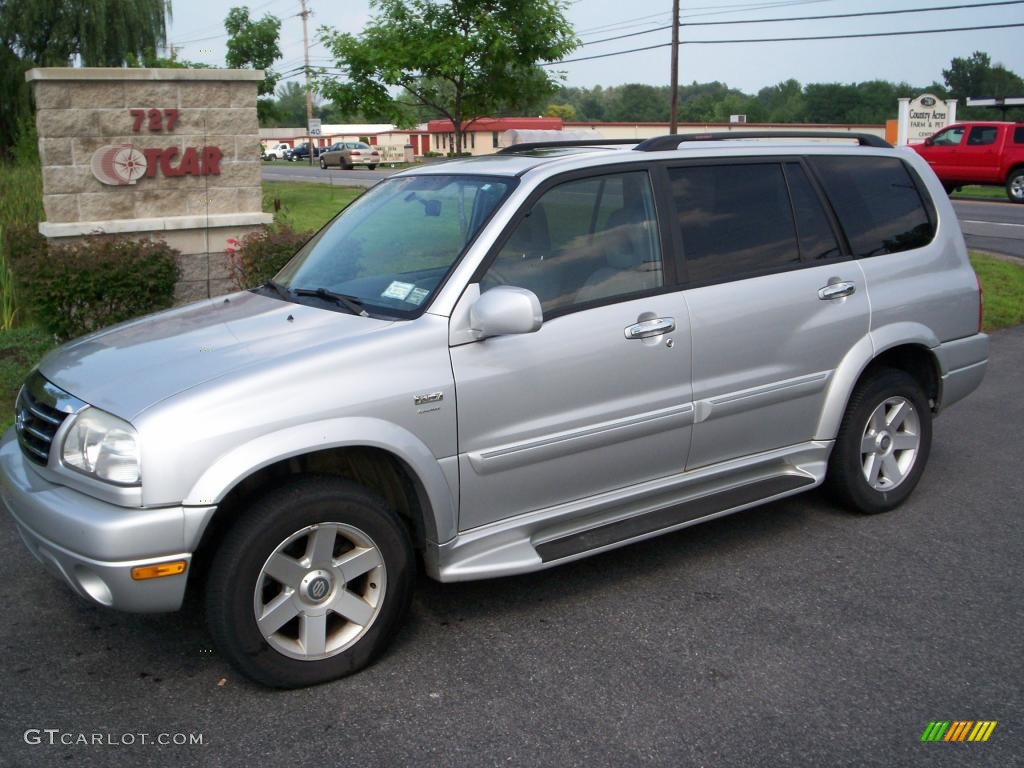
[197, 28]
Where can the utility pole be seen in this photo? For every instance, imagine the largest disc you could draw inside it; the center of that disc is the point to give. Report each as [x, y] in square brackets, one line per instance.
[673, 127]
[309, 95]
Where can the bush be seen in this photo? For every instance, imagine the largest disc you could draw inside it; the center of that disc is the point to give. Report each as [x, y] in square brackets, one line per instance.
[75, 289]
[260, 255]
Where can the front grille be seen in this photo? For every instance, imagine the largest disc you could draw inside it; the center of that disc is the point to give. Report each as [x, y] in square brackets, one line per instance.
[41, 409]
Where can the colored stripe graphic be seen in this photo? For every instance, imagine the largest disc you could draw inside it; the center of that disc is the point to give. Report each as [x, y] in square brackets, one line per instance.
[959, 730]
[935, 730]
[982, 730]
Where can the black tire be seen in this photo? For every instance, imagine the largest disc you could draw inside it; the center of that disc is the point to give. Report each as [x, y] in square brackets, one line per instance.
[323, 164]
[1015, 186]
[949, 187]
[371, 167]
[240, 559]
[846, 480]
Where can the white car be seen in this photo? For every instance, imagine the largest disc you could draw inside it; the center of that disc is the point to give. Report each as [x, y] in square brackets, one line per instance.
[280, 151]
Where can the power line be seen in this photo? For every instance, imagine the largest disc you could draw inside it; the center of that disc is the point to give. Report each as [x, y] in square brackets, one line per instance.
[784, 40]
[712, 10]
[807, 18]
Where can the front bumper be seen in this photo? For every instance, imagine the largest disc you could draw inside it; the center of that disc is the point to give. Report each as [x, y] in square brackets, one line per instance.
[93, 545]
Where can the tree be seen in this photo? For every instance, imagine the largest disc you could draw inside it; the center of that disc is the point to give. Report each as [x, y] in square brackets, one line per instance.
[253, 45]
[462, 59]
[51, 33]
[564, 111]
[977, 77]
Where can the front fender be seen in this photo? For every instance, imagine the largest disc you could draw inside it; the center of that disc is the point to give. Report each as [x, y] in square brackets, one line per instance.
[235, 466]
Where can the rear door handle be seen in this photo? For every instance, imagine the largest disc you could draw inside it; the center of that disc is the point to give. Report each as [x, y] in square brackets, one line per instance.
[837, 290]
[654, 327]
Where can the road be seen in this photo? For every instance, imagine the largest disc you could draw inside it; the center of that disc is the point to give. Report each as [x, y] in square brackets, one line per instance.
[301, 171]
[990, 225]
[794, 634]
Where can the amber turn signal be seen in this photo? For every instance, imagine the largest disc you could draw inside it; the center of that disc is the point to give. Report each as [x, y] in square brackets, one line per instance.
[158, 571]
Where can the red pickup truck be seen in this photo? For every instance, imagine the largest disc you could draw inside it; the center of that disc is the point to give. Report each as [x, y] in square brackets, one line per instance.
[989, 153]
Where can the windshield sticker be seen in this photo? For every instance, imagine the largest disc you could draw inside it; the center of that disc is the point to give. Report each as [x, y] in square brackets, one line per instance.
[398, 290]
[417, 295]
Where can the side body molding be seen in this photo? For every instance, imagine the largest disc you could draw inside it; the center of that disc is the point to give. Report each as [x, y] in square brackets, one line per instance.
[441, 520]
[857, 359]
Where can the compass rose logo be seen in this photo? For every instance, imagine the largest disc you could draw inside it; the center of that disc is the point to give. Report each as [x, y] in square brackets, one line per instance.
[118, 164]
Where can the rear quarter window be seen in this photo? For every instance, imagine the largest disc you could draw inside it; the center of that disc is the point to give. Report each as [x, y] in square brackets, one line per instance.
[1018, 135]
[877, 201]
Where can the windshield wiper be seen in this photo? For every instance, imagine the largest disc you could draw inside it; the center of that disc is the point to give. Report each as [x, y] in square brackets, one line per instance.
[351, 303]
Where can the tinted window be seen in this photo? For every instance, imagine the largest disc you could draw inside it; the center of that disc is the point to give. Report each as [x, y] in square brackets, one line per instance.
[1018, 135]
[981, 135]
[877, 203]
[589, 240]
[817, 240]
[735, 220]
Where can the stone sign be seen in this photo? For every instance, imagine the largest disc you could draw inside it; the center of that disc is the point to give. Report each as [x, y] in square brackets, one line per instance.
[168, 153]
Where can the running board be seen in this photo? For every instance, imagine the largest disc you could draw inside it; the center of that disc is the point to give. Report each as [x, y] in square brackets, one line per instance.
[630, 528]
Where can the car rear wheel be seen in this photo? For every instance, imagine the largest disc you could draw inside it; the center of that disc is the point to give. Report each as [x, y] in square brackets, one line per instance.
[371, 167]
[311, 584]
[883, 443]
[1015, 186]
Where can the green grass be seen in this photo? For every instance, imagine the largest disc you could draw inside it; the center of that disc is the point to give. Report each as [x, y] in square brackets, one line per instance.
[1002, 281]
[20, 349]
[306, 206]
[982, 193]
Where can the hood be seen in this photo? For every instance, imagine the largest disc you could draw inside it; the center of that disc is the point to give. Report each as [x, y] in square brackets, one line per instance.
[130, 367]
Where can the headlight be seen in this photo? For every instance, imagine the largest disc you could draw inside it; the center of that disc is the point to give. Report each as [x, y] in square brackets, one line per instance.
[104, 446]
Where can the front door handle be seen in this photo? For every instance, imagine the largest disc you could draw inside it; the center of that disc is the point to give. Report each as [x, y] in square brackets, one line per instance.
[837, 290]
[654, 327]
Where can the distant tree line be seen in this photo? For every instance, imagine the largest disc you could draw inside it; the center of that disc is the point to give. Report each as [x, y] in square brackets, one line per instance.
[873, 101]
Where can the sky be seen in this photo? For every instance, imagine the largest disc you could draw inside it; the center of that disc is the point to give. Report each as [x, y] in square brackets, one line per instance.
[917, 59]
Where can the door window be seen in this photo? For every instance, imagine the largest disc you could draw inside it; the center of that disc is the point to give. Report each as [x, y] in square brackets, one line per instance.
[949, 137]
[817, 240]
[590, 240]
[981, 135]
[735, 220]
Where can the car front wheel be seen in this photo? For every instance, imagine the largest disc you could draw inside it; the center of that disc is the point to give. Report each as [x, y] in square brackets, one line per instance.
[1015, 186]
[883, 443]
[311, 584]
[323, 164]
[371, 167]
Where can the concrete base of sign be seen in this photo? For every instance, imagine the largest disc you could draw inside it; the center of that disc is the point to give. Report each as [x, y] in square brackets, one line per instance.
[172, 154]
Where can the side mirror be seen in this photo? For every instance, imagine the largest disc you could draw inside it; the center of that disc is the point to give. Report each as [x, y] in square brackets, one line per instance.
[929, 141]
[505, 310]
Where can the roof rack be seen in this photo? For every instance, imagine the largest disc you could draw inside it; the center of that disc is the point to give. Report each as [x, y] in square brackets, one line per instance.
[532, 145]
[660, 143]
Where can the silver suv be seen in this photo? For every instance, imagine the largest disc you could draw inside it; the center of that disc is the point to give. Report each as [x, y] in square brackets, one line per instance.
[500, 365]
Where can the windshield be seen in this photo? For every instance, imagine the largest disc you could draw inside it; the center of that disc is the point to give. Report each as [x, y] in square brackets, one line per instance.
[391, 248]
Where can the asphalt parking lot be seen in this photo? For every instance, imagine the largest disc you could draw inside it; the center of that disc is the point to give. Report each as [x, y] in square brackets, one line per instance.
[793, 634]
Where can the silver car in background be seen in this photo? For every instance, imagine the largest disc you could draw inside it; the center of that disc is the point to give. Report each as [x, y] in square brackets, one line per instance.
[499, 365]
